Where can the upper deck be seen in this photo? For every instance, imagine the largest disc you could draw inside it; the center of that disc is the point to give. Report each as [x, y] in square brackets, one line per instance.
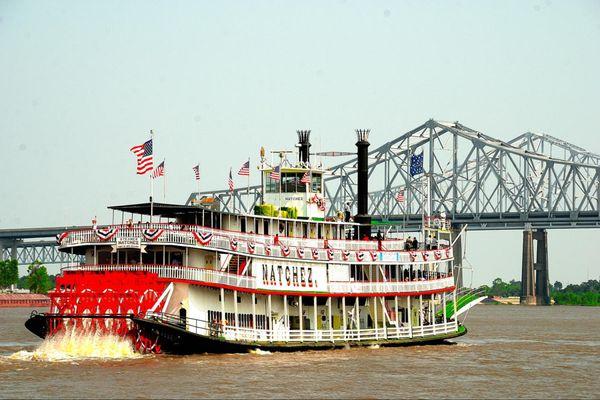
[227, 241]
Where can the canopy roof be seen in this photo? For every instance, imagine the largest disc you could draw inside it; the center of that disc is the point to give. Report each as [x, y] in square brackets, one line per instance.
[160, 209]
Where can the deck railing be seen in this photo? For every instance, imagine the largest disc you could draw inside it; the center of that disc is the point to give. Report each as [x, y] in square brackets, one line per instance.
[202, 275]
[245, 334]
[345, 251]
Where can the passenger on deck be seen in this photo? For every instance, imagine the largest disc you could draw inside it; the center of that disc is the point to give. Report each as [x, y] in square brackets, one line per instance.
[415, 243]
[379, 239]
[434, 243]
[276, 239]
[407, 244]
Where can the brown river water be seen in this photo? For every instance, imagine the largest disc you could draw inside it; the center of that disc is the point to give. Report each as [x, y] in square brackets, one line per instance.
[509, 352]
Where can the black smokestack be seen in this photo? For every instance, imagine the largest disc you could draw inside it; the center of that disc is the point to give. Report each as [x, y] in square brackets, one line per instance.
[362, 146]
[304, 145]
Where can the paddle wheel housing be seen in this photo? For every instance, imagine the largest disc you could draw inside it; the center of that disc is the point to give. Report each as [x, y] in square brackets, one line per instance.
[103, 294]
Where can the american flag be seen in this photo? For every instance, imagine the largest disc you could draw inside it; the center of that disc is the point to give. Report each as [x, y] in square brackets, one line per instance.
[275, 175]
[159, 171]
[305, 178]
[197, 172]
[400, 196]
[230, 181]
[416, 164]
[245, 170]
[145, 160]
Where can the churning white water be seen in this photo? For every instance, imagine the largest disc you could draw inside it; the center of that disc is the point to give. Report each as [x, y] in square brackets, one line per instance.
[74, 345]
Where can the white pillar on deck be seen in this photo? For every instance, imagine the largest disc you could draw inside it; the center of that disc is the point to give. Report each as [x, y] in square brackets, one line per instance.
[269, 321]
[300, 314]
[444, 311]
[375, 322]
[254, 313]
[344, 320]
[410, 328]
[222, 306]
[421, 313]
[286, 319]
[397, 317]
[235, 312]
[315, 316]
[357, 317]
[329, 319]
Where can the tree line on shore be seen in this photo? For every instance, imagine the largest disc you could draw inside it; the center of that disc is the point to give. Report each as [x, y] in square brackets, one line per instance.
[37, 279]
[585, 293]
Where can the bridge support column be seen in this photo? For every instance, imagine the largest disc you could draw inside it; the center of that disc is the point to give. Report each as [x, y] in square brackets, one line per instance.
[458, 259]
[13, 250]
[535, 287]
[1, 251]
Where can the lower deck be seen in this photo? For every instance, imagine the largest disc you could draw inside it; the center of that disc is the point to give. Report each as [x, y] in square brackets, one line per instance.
[176, 337]
[239, 317]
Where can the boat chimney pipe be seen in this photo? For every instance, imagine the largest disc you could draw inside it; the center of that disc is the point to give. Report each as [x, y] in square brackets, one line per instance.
[304, 145]
[362, 151]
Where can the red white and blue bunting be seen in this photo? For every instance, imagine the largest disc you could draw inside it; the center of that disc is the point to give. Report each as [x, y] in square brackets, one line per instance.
[412, 255]
[152, 234]
[345, 255]
[285, 250]
[233, 243]
[425, 255]
[202, 238]
[267, 250]
[360, 256]
[315, 254]
[437, 254]
[61, 236]
[373, 255]
[105, 234]
[447, 252]
[251, 247]
[330, 254]
[300, 252]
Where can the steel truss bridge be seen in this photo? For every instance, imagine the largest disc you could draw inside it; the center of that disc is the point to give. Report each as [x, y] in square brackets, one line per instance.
[29, 245]
[531, 181]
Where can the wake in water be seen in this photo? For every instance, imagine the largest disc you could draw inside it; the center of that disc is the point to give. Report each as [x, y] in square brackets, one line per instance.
[73, 345]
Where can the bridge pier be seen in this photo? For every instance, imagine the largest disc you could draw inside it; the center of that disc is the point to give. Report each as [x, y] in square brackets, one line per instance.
[458, 259]
[535, 281]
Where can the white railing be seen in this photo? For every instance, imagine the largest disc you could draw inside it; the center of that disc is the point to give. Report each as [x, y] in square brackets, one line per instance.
[244, 334]
[178, 273]
[200, 275]
[391, 287]
[342, 251]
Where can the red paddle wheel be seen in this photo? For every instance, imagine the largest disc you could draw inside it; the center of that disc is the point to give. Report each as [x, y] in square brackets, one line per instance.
[79, 294]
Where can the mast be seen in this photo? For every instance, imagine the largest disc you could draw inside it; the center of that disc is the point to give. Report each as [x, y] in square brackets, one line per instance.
[151, 182]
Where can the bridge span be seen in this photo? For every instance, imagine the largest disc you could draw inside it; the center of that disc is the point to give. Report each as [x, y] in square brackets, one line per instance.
[532, 183]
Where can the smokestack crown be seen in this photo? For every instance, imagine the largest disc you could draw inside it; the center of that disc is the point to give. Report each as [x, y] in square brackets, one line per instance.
[362, 135]
[304, 145]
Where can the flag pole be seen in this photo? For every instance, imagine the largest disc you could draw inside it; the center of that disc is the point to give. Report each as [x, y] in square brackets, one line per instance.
[152, 181]
[248, 187]
[198, 186]
[164, 181]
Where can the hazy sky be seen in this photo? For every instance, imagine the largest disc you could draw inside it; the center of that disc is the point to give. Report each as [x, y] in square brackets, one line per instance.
[83, 81]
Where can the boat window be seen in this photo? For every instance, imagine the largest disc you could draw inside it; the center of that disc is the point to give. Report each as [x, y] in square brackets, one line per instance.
[290, 182]
[316, 183]
[271, 185]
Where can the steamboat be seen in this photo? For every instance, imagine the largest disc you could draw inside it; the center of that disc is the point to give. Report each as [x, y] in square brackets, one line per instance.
[194, 278]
